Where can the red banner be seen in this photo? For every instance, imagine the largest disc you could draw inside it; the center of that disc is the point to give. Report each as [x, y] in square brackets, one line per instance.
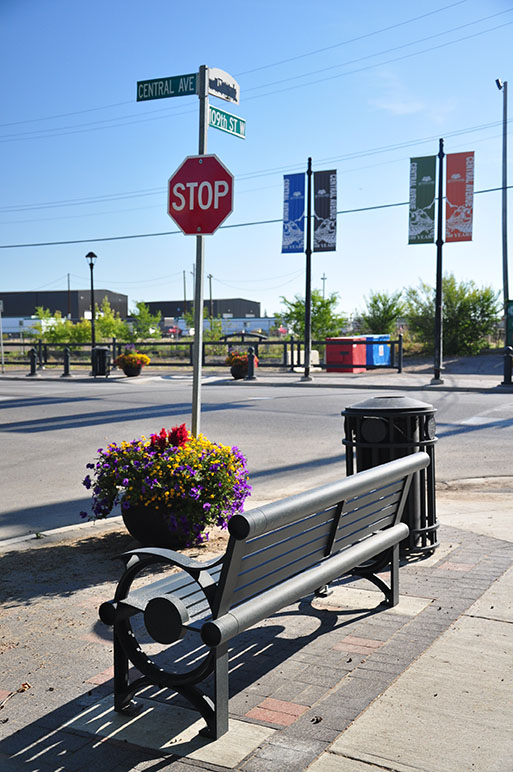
[459, 197]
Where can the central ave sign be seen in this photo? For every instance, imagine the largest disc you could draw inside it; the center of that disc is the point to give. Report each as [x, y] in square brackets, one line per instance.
[200, 194]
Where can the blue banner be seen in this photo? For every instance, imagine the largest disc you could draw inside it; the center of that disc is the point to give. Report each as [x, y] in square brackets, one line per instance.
[293, 213]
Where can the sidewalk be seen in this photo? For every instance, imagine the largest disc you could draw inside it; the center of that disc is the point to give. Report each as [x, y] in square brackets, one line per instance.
[329, 685]
[412, 378]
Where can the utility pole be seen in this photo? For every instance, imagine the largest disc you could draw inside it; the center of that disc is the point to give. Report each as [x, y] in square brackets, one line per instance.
[184, 295]
[323, 279]
[69, 298]
[211, 301]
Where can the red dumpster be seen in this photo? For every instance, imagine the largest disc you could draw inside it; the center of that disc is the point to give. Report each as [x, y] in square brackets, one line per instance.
[345, 355]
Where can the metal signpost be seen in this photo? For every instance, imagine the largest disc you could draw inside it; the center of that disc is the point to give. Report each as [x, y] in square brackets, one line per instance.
[200, 192]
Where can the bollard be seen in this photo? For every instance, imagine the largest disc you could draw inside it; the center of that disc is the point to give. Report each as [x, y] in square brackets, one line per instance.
[67, 357]
[33, 363]
[251, 365]
[508, 355]
[40, 355]
[291, 368]
[400, 354]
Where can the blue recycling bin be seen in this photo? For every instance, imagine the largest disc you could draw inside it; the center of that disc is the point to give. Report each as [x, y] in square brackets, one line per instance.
[377, 354]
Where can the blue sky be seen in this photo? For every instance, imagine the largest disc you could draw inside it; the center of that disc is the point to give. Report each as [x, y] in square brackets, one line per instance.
[359, 87]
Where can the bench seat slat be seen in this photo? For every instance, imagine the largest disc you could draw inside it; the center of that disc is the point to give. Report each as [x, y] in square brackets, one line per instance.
[181, 585]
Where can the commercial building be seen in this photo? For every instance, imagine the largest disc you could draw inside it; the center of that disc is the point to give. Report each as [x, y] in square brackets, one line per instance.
[75, 303]
[225, 308]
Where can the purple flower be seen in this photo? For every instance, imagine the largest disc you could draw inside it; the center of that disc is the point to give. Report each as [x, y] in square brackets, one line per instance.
[84, 514]
[87, 482]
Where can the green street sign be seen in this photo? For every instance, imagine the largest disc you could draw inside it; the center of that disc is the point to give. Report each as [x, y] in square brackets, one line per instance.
[219, 119]
[160, 88]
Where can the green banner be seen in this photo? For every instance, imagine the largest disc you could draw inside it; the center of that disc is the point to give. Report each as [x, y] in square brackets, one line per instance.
[422, 200]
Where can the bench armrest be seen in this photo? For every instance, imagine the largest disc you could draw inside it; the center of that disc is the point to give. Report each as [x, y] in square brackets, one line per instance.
[157, 554]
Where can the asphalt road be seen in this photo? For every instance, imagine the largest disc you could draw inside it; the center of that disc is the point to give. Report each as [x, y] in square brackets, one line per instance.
[49, 430]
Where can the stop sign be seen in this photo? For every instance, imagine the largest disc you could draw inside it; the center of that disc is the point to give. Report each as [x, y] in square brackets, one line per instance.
[200, 194]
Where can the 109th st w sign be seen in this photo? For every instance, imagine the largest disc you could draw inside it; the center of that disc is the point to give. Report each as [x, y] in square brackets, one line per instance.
[200, 194]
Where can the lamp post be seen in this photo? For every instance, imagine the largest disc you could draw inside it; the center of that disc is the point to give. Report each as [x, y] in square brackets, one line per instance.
[91, 259]
[503, 86]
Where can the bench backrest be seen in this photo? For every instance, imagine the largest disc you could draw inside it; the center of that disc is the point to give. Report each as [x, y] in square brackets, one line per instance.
[281, 540]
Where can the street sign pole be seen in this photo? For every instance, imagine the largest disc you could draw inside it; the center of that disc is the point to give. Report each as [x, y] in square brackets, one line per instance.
[308, 288]
[197, 350]
[438, 360]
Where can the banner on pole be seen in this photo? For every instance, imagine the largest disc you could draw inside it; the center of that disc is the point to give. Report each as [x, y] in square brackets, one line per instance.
[422, 200]
[325, 211]
[293, 213]
[459, 197]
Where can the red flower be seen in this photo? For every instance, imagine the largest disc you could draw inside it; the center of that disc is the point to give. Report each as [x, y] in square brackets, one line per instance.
[178, 436]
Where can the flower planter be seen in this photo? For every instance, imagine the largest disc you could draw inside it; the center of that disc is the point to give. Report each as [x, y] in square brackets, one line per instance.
[188, 483]
[130, 371]
[152, 528]
[238, 371]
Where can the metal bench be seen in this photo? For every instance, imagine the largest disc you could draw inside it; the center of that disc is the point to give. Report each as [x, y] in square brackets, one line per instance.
[276, 555]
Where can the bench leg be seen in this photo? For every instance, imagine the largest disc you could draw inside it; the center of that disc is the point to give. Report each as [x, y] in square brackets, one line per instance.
[219, 723]
[394, 576]
[120, 677]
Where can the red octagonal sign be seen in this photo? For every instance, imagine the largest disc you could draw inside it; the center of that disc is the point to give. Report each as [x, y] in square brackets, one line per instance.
[200, 194]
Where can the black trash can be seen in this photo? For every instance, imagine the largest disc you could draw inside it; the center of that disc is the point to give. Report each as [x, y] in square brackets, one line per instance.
[101, 361]
[382, 429]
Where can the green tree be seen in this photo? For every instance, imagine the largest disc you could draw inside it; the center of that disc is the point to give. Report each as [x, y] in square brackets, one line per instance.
[325, 321]
[109, 323]
[469, 315]
[144, 324]
[80, 332]
[382, 312]
[50, 328]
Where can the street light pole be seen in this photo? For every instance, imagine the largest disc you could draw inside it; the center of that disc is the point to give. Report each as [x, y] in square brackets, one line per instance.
[503, 86]
[91, 259]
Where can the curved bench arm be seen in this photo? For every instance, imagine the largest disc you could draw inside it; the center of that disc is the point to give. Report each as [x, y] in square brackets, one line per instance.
[170, 556]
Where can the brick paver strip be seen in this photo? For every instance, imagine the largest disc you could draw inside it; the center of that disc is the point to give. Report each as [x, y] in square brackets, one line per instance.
[281, 706]
[271, 716]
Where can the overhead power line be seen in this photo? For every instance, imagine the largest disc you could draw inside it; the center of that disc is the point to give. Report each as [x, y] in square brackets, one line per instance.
[223, 227]
[161, 114]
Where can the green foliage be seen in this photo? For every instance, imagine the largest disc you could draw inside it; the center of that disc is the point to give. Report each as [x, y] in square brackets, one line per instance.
[325, 321]
[382, 312]
[108, 323]
[144, 324]
[469, 315]
[51, 328]
[80, 332]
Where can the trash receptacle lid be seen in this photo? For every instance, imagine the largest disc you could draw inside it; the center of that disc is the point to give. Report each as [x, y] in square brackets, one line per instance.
[390, 403]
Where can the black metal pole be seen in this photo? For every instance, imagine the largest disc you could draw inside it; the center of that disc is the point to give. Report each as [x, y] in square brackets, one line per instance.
[308, 289]
[93, 333]
[439, 272]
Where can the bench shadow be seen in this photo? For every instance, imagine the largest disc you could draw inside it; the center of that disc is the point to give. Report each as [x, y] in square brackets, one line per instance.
[258, 653]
